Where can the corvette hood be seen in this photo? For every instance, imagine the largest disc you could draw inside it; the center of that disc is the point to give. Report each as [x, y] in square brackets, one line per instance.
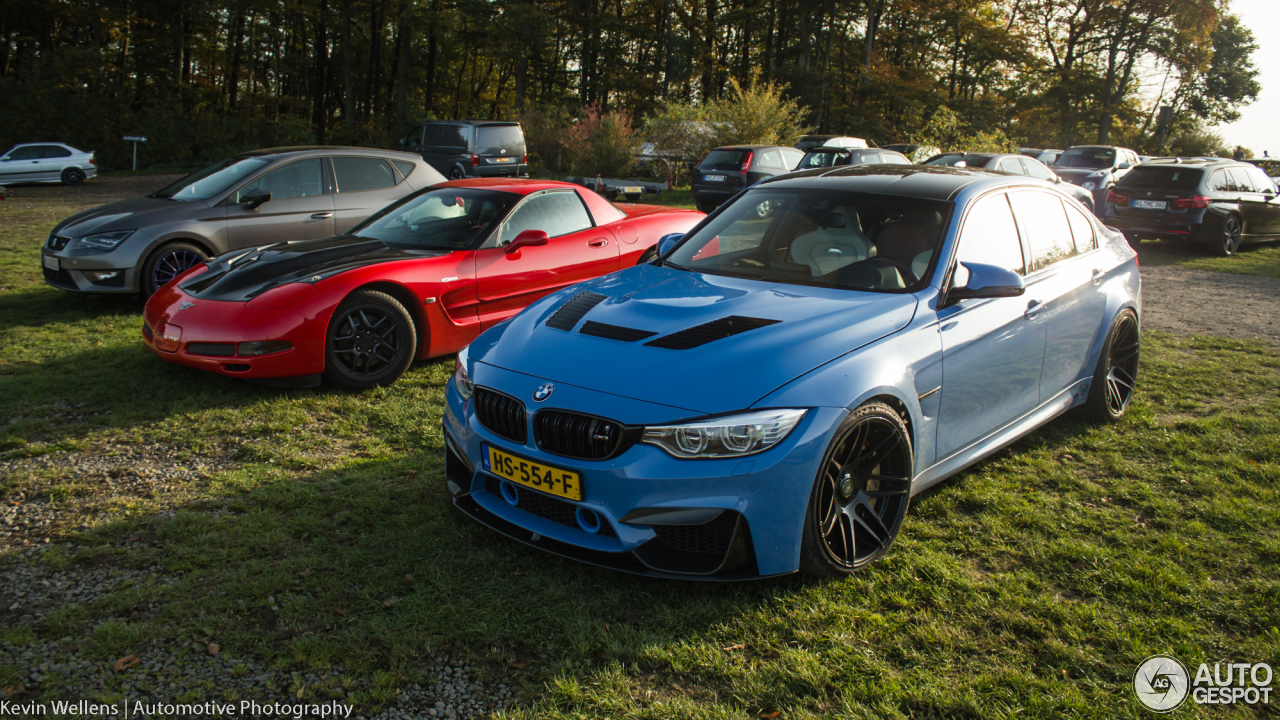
[241, 275]
[698, 342]
[131, 214]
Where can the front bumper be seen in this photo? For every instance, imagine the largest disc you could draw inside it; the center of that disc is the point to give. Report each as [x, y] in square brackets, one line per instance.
[746, 513]
[205, 333]
[71, 275]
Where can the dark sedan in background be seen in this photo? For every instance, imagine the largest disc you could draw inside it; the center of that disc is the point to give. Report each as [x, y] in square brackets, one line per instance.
[255, 198]
[1217, 203]
[1014, 165]
[725, 171]
[1096, 168]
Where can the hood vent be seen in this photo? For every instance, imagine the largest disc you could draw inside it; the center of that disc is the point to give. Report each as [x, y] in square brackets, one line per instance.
[614, 332]
[571, 312]
[710, 332]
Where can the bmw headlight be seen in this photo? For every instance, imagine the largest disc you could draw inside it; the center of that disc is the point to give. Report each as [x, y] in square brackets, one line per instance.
[105, 241]
[729, 436]
[461, 379]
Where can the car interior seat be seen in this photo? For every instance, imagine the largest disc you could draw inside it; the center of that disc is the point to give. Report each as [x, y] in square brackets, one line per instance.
[913, 241]
[838, 241]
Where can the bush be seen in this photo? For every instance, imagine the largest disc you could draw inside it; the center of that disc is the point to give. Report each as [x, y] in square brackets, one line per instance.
[600, 143]
[945, 132]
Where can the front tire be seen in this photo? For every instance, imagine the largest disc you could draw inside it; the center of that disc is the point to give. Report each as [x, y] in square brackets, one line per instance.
[455, 173]
[859, 499]
[72, 176]
[1229, 237]
[371, 341]
[167, 263]
[1116, 377]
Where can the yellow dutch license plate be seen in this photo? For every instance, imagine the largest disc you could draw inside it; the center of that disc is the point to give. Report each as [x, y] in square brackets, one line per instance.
[561, 483]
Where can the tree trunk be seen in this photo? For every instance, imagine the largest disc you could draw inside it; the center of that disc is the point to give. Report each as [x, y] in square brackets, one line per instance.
[402, 67]
[432, 47]
[322, 77]
[348, 94]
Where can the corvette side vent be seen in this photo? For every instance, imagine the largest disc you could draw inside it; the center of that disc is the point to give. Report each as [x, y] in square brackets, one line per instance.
[614, 332]
[710, 332]
[571, 312]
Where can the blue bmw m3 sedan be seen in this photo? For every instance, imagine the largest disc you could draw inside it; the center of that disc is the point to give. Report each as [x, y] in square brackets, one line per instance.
[768, 394]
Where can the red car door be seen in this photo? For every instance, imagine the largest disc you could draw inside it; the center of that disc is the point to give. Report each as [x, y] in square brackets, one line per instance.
[577, 250]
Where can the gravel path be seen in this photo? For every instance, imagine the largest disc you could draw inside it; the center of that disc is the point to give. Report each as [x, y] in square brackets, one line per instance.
[1199, 302]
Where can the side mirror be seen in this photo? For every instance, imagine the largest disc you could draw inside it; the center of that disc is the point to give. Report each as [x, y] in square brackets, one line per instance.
[987, 281]
[666, 242]
[527, 238]
[1123, 166]
[255, 198]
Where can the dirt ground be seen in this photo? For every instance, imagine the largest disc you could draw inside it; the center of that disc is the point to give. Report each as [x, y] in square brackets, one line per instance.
[1175, 299]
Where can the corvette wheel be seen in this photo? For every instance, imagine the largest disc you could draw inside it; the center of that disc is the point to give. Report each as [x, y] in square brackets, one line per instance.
[72, 176]
[860, 497]
[648, 255]
[1229, 240]
[371, 341]
[168, 263]
[1117, 374]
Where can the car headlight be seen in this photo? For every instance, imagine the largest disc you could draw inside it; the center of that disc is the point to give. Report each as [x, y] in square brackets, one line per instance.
[1088, 185]
[461, 379]
[105, 241]
[729, 436]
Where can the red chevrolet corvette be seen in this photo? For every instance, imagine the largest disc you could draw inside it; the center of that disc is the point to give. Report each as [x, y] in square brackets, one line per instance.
[419, 279]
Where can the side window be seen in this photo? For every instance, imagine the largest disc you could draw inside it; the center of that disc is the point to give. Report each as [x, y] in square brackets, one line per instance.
[404, 166]
[1240, 180]
[54, 151]
[1081, 230]
[300, 178]
[30, 152]
[457, 136]
[792, 157]
[433, 135]
[989, 237]
[356, 174]
[414, 138]
[894, 159]
[1261, 182]
[1045, 221]
[1219, 181]
[1036, 170]
[555, 213]
[1010, 165]
[769, 160]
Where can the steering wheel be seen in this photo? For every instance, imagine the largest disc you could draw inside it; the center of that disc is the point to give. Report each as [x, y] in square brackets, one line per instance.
[477, 227]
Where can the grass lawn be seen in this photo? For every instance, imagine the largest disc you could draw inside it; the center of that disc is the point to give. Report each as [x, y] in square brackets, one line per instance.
[1030, 586]
[1253, 259]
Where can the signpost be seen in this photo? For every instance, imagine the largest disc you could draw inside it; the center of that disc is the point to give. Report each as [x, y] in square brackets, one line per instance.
[1165, 120]
[135, 139]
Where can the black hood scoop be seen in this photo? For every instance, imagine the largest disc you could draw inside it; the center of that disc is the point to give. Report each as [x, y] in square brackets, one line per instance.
[710, 332]
[614, 332]
[242, 275]
[572, 311]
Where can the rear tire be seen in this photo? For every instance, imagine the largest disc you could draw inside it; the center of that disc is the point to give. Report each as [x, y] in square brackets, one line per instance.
[648, 255]
[455, 173]
[166, 263]
[1229, 236]
[860, 497]
[1133, 240]
[704, 206]
[72, 176]
[371, 341]
[1116, 378]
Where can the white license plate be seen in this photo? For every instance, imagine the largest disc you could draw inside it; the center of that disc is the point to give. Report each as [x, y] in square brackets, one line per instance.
[632, 190]
[504, 160]
[713, 178]
[1149, 204]
[51, 262]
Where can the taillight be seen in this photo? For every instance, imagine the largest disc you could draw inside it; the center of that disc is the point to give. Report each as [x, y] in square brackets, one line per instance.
[92, 160]
[746, 165]
[475, 160]
[524, 159]
[1116, 198]
[1195, 202]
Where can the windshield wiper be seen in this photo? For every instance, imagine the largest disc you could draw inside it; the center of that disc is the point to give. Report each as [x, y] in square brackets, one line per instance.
[668, 263]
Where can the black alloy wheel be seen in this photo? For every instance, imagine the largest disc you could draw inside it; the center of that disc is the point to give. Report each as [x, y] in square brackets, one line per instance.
[860, 497]
[72, 176]
[1116, 377]
[1229, 239]
[371, 341]
[455, 173]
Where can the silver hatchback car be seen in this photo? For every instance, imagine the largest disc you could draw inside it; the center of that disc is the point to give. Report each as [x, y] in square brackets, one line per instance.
[255, 198]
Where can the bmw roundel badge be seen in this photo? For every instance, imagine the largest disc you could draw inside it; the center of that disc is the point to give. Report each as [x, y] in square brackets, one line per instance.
[543, 392]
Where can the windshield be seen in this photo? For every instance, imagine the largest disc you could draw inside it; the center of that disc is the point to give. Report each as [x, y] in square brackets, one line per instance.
[1092, 158]
[443, 219]
[723, 159]
[851, 241]
[212, 180]
[825, 158]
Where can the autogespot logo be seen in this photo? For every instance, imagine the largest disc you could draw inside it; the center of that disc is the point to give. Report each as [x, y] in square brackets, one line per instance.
[1162, 683]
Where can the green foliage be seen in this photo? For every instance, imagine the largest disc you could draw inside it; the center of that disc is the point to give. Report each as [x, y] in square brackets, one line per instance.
[1196, 140]
[948, 133]
[756, 114]
[600, 143]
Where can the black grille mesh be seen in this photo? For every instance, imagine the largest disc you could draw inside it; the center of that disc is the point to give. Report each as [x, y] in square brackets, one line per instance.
[501, 414]
[219, 349]
[712, 537]
[709, 332]
[614, 332]
[61, 278]
[545, 506]
[571, 312]
[57, 242]
[574, 435]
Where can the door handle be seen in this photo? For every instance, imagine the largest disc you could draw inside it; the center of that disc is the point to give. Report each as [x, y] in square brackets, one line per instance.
[1033, 308]
[1097, 276]
[321, 216]
[598, 243]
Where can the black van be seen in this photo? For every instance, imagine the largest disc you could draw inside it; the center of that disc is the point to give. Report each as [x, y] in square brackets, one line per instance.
[469, 148]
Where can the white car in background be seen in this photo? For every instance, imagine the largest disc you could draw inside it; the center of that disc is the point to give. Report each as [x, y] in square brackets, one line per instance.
[46, 162]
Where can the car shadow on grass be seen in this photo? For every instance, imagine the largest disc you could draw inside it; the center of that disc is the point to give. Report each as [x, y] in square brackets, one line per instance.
[40, 306]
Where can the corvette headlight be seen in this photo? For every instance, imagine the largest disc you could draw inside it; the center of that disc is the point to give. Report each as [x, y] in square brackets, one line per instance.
[1088, 185]
[461, 379]
[729, 436]
[105, 241]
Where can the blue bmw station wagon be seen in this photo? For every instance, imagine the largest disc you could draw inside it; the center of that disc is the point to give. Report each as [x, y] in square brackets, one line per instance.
[769, 393]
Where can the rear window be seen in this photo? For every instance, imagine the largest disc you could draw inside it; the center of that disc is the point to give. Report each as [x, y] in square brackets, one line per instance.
[724, 159]
[502, 136]
[1156, 177]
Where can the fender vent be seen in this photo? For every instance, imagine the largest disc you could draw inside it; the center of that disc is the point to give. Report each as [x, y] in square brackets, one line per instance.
[710, 332]
[614, 332]
[571, 312]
